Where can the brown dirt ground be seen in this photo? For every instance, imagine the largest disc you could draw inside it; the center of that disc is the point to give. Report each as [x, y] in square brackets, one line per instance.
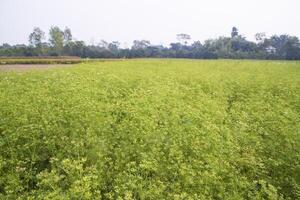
[29, 67]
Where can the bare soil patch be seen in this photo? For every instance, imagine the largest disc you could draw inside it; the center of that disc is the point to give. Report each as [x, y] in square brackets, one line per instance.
[30, 67]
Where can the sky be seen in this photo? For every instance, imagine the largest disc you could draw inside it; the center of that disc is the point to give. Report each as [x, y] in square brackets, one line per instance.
[156, 20]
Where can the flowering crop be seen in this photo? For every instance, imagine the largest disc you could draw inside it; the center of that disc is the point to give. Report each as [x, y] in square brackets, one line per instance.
[152, 129]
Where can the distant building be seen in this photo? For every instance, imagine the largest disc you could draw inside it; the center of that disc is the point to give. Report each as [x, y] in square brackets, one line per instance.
[271, 49]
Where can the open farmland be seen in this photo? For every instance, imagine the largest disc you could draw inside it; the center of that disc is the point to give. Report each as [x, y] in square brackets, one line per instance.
[151, 129]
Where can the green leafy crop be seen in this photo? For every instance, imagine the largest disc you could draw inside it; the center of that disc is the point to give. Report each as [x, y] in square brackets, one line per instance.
[152, 129]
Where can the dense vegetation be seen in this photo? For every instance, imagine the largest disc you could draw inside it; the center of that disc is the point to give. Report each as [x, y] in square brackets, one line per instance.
[152, 129]
[235, 47]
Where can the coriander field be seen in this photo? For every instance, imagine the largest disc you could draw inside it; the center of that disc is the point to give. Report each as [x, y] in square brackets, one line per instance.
[151, 129]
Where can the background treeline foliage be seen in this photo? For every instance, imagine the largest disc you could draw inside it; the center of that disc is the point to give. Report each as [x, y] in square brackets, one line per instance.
[61, 43]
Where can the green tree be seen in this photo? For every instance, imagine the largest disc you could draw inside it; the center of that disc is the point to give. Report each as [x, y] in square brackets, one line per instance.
[36, 40]
[260, 37]
[56, 39]
[183, 38]
[286, 47]
[114, 47]
[67, 35]
[36, 37]
[140, 44]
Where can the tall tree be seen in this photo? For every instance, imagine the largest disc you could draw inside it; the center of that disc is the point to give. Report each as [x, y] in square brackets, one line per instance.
[67, 35]
[103, 44]
[114, 46]
[183, 38]
[286, 47]
[36, 37]
[234, 32]
[140, 44]
[56, 39]
[260, 37]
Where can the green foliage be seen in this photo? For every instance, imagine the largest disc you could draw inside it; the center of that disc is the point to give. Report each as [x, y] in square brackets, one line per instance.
[57, 39]
[152, 129]
[36, 37]
[277, 47]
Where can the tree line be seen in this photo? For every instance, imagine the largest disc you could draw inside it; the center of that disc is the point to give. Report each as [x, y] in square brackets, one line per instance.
[61, 43]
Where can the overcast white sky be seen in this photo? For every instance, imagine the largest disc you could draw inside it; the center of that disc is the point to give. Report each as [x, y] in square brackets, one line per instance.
[156, 20]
